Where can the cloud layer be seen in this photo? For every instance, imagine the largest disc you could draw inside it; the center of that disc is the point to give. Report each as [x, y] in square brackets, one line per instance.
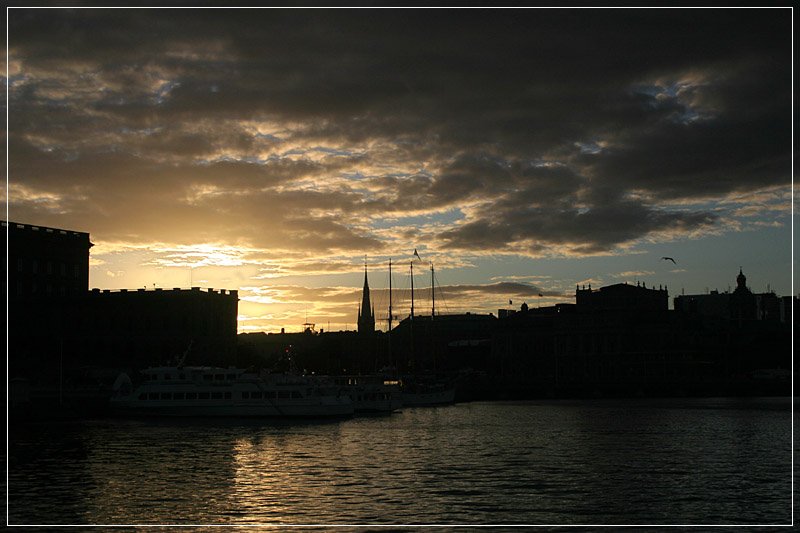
[295, 140]
[549, 131]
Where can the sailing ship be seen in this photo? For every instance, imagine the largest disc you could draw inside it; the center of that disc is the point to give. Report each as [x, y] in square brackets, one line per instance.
[421, 388]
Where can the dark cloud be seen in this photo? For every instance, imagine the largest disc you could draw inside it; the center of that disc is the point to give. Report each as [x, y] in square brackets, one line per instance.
[499, 289]
[553, 130]
[596, 229]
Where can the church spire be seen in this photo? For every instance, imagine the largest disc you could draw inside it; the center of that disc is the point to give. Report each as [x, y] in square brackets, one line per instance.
[366, 315]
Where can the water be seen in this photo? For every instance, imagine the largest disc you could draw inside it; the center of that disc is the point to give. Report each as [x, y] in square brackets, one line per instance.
[699, 461]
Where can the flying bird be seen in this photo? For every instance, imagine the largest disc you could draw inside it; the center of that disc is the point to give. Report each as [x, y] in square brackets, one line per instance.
[668, 259]
[416, 254]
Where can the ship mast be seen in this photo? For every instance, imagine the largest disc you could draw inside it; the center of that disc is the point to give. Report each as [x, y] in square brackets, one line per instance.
[412, 290]
[433, 296]
[390, 294]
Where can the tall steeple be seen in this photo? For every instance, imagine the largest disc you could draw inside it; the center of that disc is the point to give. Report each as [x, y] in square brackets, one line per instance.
[366, 315]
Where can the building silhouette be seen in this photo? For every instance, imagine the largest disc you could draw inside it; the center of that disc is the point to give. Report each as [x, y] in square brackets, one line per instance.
[46, 262]
[139, 328]
[622, 296]
[366, 313]
[65, 341]
[740, 305]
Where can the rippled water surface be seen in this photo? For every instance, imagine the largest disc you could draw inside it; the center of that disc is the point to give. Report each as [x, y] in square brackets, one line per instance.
[704, 461]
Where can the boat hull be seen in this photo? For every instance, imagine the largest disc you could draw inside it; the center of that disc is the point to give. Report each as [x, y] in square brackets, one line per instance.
[329, 409]
[429, 398]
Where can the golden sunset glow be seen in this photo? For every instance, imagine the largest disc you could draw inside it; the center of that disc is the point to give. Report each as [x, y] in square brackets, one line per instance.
[209, 154]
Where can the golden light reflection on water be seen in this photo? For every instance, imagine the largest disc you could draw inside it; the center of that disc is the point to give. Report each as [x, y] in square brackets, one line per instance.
[283, 478]
[671, 461]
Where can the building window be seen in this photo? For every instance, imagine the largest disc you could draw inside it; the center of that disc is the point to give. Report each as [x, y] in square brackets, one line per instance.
[35, 266]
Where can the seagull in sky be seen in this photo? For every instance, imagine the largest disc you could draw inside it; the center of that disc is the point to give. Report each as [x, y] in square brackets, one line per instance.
[668, 259]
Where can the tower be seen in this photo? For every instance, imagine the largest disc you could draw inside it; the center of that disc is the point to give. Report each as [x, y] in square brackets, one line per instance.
[366, 315]
[742, 301]
[741, 281]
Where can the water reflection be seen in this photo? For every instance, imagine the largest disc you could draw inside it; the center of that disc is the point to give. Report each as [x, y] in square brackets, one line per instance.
[547, 463]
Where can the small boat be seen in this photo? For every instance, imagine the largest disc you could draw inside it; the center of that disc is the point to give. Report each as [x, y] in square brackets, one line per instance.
[225, 392]
[419, 391]
[370, 394]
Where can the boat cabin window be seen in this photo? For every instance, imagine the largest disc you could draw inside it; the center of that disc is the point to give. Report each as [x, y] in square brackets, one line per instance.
[283, 394]
[216, 395]
[227, 395]
[178, 395]
[219, 377]
[296, 394]
[256, 395]
[143, 396]
[231, 376]
[152, 396]
[191, 395]
[167, 376]
[207, 377]
[166, 395]
[203, 395]
[270, 394]
[245, 395]
[182, 376]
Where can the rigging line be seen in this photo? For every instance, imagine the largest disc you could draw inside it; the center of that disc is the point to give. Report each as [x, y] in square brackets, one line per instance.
[404, 300]
[441, 293]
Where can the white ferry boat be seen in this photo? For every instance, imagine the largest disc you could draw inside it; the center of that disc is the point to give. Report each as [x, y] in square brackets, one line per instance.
[225, 392]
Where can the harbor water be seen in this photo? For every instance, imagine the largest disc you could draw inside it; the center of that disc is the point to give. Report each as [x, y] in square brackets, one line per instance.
[646, 461]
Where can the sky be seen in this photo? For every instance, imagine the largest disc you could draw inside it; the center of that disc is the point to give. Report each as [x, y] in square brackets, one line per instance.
[522, 152]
